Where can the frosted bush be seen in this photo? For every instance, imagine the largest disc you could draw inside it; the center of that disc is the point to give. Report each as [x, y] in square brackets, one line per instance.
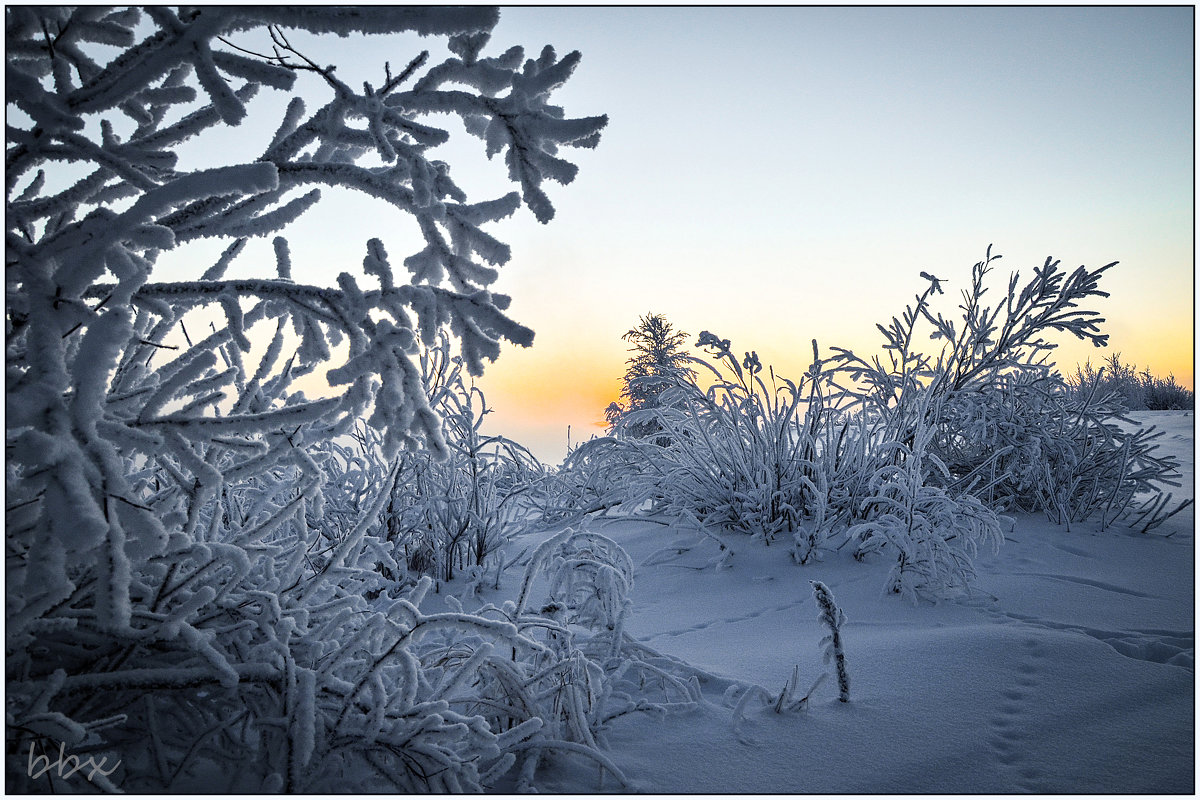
[738, 455]
[590, 577]
[449, 514]
[1006, 426]
[598, 475]
[1032, 444]
[581, 672]
[987, 343]
[933, 534]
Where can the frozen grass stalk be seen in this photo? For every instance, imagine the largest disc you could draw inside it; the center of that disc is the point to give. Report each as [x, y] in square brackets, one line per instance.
[832, 616]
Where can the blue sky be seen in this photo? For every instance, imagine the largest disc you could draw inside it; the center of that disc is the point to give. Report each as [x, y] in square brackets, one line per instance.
[782, 174]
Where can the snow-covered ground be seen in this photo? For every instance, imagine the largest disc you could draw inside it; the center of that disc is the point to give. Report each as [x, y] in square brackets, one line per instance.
[1070, 669]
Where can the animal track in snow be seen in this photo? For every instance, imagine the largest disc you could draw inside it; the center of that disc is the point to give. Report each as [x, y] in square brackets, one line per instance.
[1108, 587]
[1177, 648]
[699, 626]
[1072, 549]
[1008, 733]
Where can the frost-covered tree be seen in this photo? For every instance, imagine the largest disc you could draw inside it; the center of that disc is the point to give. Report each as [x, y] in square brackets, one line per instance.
[166, 594]
[657, 362]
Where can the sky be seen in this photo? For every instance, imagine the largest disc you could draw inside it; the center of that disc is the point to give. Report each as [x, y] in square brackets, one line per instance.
[776, 175]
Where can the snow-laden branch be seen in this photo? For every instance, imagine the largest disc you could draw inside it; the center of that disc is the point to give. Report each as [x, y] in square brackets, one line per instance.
[178, 557]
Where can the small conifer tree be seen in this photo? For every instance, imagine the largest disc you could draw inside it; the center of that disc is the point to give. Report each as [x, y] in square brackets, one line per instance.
[658, 361]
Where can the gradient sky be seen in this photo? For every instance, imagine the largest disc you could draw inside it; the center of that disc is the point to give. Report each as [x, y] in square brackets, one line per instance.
[776, 175]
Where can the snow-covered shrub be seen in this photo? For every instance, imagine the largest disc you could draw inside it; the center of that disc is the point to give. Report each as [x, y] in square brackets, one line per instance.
[1164, 394]
[590, 577]
[847, 450]
[447, 514]
[581, 672]
[1113, 377]
[1031, 443]
[266, 670]
[175, 594]
[906, 451]
[538, 693]
[599, 474]
[1007, 429]
[740, 453]
[988, 342]
[933, 534]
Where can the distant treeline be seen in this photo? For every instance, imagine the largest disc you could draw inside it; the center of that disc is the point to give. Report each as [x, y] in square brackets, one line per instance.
[1140, 391]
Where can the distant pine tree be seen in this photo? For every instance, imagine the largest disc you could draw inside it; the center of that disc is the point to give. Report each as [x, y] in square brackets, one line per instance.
[658, 361]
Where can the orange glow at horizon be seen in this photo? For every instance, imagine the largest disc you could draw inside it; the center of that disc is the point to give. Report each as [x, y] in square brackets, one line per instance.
[559, 384]
[537, 393]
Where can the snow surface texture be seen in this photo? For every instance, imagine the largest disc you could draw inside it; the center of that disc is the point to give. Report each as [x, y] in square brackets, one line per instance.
[1069, 668]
